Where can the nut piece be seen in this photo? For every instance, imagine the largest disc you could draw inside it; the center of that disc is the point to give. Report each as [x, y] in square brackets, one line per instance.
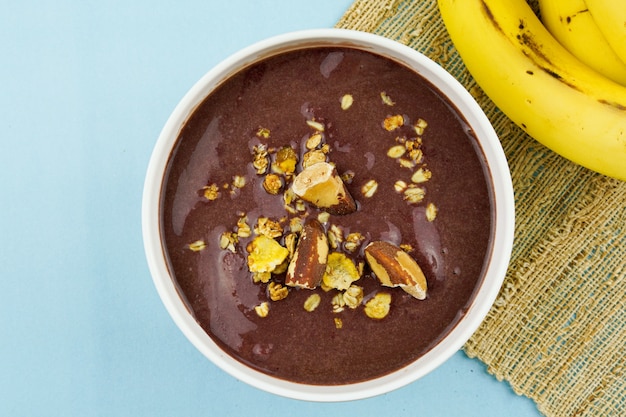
[396, 268]
[378, 306]
[340, 272]
[321, 186]
[308, 263]
[265, 254]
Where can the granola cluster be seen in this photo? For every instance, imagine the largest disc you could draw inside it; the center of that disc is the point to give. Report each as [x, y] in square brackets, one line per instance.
[304, 249]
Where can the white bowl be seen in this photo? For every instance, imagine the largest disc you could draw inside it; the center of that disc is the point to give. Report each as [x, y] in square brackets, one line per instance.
[498, 258]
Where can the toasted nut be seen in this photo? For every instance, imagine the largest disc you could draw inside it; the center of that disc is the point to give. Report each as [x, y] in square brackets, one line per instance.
[312, 302]
[396, 151]
[263, 309]
[378, 306]
[386, 99]
[321, 186]
[396, 268]
[421, 175]
[308, 263]
[197, 246]
[431, 212]
[393, 122]
[277, 292]
[286, 160]
[340, 272]
[346, 101]
[369, 188]
[265, 254]
[273, 183]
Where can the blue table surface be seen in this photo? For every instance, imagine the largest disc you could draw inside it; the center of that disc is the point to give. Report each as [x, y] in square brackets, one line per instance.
[87, 87]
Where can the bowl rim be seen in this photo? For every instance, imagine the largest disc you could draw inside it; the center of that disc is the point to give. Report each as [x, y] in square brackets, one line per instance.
[503, 198]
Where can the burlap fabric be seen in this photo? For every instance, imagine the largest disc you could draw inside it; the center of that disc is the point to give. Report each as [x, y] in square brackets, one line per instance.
[557, 332]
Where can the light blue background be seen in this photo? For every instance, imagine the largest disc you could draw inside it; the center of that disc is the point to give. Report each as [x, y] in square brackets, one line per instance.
[86, 88]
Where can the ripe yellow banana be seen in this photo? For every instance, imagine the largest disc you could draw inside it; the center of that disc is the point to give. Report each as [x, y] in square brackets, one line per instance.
[610, 15]
[538, 84]
[570, 22]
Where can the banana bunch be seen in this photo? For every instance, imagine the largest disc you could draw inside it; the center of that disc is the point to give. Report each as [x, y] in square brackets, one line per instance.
[556, 98]
[572, 24]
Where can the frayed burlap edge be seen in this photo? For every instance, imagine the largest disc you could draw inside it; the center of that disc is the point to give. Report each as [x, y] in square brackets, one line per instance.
[557, 332]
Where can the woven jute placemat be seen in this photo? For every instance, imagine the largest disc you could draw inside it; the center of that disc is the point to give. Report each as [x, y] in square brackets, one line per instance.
[557, 332]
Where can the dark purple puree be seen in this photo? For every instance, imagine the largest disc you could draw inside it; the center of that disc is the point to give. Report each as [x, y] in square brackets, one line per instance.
[280, 94]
